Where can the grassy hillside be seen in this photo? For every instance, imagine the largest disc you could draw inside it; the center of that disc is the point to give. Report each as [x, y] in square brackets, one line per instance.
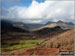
[62, 41]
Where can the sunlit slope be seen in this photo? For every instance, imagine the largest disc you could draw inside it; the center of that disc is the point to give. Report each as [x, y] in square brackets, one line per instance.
[64, 26]
[46, 26]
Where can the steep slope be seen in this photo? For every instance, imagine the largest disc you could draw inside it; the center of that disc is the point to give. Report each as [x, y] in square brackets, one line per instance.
[45, 31]
[62, 41]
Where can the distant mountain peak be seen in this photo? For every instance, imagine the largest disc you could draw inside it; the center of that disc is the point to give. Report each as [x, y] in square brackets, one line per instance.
[60, 21]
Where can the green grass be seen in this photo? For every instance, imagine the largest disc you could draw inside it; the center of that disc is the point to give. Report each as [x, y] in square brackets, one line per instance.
[21, 44]
[32, 41]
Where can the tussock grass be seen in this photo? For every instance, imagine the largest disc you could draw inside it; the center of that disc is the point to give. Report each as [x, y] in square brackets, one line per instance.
[63, 41]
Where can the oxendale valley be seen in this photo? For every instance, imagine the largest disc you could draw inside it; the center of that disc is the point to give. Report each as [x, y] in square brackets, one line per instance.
[37, 27]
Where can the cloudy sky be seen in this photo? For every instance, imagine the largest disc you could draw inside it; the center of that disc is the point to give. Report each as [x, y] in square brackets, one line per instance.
[37, 11]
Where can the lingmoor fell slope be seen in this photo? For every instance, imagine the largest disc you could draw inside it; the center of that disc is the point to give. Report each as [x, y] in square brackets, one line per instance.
[63, 41]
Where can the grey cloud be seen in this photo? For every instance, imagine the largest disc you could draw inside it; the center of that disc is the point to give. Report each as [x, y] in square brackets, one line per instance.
[46, 11]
